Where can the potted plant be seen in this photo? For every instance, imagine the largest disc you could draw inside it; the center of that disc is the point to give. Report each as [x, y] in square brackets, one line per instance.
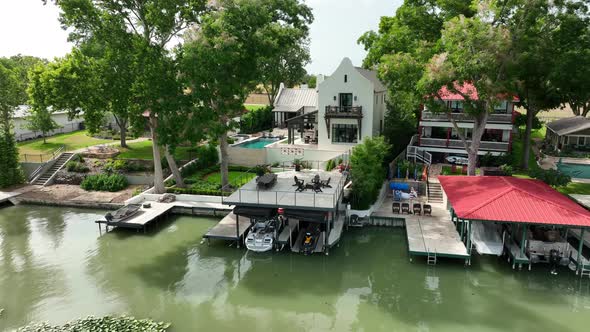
[298, 163]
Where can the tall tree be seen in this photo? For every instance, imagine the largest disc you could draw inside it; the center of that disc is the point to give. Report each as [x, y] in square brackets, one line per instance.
[149, 27]
[10, 97]
[532, 24]
[285, 56]
[20, 66]
[473, 64]
[572, 66]
[220, 60]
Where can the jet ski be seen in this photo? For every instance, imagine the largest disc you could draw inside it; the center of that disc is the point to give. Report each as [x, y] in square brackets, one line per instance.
[310, 239]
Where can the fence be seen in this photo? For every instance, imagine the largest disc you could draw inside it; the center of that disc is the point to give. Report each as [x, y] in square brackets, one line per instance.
[42, 157]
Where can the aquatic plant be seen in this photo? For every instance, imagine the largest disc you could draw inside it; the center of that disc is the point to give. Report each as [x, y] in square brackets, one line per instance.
[96, 324]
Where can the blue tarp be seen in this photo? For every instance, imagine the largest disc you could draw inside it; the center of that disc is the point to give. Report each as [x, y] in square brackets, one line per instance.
[399, 186]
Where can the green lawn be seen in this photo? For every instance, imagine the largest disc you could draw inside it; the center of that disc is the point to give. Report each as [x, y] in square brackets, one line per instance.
[575, 188]
[71, 141]
[253, 107]
[235, 178]
[143, 150]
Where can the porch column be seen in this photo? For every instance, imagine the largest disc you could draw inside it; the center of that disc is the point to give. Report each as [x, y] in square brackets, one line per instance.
[524, 231]
[580, 248]
[469, 237]
[238, 230]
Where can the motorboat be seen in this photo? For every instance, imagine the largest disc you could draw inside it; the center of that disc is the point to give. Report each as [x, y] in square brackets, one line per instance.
[123, 213]
[310, 239]
[262, 235]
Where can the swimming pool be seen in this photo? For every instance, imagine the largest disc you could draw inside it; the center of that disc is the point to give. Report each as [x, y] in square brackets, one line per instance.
[580, 171]
[258, 143]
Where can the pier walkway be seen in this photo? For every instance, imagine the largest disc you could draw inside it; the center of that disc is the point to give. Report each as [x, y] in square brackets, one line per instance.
[6, 196]
[226, 228]
[143, 218]
[434, 235]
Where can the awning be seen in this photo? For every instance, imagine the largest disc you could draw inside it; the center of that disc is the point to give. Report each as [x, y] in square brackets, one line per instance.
[287, 108]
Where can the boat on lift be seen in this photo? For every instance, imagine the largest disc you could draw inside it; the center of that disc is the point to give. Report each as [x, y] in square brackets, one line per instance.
[263, 234]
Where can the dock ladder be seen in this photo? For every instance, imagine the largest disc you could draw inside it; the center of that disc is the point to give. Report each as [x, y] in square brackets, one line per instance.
[585, 271]
[431, 258]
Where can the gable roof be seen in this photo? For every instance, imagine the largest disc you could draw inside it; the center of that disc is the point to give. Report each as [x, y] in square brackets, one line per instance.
[291, 100]
[467, 89]
[371, 75]
[569, 125]
[509, 199]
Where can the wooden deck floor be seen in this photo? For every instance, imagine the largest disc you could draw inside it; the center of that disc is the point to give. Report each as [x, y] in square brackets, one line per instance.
[143, 218]
[226, 228]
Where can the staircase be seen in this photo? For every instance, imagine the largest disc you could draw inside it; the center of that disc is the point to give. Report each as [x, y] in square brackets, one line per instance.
[435, 194]
[59, 164]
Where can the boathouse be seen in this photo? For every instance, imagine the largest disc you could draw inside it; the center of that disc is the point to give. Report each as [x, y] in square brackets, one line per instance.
[300, 205]
[525, 218]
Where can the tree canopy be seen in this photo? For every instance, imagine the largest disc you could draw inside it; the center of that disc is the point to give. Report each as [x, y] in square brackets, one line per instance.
[10, 98]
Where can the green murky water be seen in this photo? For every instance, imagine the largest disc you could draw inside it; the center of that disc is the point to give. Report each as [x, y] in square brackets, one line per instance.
[54, 267]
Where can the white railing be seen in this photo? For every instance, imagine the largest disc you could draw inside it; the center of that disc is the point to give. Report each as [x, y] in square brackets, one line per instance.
[463, 117]
[416, 153]
[455, 143]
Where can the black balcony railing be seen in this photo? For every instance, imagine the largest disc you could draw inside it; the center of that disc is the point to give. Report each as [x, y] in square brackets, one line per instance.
[344, 111]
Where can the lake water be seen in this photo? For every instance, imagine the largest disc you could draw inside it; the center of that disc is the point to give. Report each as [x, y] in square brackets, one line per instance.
[54, 267]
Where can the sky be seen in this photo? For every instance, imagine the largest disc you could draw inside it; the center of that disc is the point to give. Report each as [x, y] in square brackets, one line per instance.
[31, 28]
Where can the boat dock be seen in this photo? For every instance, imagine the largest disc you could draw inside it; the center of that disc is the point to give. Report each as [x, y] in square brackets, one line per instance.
[434, 236]
[516, 255]
[286, 236]
[336, 231]
[7, 196]
[318, 248]
[143, 218]
[231, 228]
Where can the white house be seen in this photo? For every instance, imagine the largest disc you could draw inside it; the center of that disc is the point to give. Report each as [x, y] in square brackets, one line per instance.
[351, 106]
[345, 107]
[60, 117]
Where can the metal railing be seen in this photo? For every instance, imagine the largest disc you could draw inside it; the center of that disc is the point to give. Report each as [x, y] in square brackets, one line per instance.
[344, 111]
[455, 143]
[38, 170]
[288, 198]
[463, 117]
[417, 153]
[42, 157]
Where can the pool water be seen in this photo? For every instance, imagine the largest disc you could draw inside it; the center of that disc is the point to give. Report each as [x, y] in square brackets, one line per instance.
[55, 267]
[580, 171]
[258, 143]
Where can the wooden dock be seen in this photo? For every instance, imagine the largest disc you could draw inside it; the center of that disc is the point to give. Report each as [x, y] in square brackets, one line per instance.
[434, 235]
[143, 218]
[226, 229]
[6, 196]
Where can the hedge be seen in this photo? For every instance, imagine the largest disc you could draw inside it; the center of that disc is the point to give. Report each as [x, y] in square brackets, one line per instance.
[104, 182]
[256, 120]
[77, 167]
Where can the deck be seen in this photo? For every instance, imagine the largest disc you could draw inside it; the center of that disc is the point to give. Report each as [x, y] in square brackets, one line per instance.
[143, 218]
[336, 231]
[286, 234]
[283, 193]
[6, 196]
[226, 228]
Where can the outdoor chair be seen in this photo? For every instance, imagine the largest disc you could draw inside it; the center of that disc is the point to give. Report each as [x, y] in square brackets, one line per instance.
[405, 208]
[427, 209]
[417, 208]
[326, 184]
[300, 186]
[396, 207]
[298, 182]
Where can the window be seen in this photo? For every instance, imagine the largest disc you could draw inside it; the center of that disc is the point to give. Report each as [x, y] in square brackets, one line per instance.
[345, 78]
[344, 133]
[501, 107]
[345, 101]
[456, 106]
[580, 140]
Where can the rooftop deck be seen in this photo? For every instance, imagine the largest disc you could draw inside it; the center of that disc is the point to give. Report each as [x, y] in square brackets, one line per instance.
[283, 193]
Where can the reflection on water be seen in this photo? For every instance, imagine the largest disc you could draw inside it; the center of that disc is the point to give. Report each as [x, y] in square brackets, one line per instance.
[54, 267]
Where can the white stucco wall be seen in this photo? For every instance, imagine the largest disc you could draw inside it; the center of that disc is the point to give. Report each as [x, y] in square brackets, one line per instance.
[22, 133]
[361, 88]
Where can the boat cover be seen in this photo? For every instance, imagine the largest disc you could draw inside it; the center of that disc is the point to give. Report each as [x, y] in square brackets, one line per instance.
[254, 212]
[306, 215]
[487, 238]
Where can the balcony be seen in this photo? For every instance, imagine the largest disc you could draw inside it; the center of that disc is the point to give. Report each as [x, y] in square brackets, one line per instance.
[458, 144]
[462, 117]
[344, 112]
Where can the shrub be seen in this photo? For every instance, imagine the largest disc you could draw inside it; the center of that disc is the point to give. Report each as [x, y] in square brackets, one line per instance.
[104, 182]
[368, 171]
[507, 169]
[256, 120]
[330, 165]
[551, 177]
[77, 157]
[77, 167]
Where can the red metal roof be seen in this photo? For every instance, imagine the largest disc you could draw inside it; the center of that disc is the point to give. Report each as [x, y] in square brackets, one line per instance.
[505, 198]
[467, 89]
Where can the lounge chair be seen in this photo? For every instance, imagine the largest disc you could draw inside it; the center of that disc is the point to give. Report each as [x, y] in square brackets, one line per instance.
[297, 181]
[396, 207]
[427, 209]
[326, 184]
[405, 208]
[300, 186]
[417, 208]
